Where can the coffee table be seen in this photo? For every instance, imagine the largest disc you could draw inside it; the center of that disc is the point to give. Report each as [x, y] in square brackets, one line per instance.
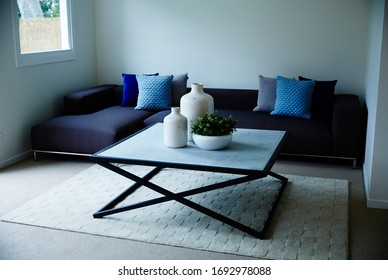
[251, 154]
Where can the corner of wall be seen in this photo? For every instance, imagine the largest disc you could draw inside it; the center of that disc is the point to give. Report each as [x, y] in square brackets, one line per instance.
[15, 159]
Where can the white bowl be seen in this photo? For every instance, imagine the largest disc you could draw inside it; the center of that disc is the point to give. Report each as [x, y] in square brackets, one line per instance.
[212, 142]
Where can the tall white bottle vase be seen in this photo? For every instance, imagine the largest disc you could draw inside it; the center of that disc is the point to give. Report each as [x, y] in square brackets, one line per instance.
[175, 129]
[196, 104]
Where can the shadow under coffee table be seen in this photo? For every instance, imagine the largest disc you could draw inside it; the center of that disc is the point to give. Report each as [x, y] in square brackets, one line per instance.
[251, 154]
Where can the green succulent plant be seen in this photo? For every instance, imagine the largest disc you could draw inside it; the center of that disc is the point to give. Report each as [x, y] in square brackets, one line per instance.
[214, 125]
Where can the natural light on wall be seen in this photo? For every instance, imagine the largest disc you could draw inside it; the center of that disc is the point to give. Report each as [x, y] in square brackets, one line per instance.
[43, 31]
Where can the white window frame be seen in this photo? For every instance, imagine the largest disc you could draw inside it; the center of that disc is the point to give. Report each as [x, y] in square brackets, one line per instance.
[29, 59]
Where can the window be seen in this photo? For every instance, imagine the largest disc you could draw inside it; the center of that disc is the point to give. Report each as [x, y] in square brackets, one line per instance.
[43, 31]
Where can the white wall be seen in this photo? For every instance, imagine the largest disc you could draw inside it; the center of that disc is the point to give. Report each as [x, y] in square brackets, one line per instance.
[29, 95]
[376, 98]
[227, 43]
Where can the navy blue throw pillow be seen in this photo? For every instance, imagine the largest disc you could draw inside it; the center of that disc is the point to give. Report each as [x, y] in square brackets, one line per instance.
[323, 97]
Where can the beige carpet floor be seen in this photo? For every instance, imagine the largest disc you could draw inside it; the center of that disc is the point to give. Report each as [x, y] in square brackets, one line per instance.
[311, 221]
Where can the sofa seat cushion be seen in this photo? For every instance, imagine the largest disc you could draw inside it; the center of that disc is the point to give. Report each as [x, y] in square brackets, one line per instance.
[306, 136]
[245, 119]
[87, 134]
[157, 117]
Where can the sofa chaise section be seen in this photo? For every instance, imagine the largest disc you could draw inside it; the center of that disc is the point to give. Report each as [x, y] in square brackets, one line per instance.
[92, 121]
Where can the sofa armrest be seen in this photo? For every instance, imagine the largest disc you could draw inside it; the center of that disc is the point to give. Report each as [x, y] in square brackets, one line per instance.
[89, 100]
[346, 125]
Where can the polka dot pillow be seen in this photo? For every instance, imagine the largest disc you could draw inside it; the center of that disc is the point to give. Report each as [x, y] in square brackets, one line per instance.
[293, 97]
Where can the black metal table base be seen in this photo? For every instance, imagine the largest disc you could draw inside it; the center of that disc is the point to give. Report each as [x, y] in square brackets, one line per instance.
[110, 209]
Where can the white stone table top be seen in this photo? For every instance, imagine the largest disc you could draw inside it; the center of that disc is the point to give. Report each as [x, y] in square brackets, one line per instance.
[250, 149]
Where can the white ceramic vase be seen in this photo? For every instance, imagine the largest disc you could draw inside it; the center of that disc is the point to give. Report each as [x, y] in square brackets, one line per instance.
[175, 129]
[212, 142]
[195, 104]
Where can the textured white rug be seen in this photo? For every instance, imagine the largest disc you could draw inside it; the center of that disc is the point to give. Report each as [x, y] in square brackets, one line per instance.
[311, 221]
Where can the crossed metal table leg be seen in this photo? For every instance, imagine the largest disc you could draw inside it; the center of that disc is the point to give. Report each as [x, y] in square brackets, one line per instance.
[110, 209]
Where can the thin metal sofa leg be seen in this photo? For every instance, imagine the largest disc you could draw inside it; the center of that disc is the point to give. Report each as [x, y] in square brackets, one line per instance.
[355, 163]
[35, 155]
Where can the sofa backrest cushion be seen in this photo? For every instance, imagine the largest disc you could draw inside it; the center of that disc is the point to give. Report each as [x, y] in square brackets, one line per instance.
[89, 100]
[233, 99]
[118, 95]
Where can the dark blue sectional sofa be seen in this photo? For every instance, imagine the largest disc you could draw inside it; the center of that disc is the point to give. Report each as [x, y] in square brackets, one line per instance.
[94, 118]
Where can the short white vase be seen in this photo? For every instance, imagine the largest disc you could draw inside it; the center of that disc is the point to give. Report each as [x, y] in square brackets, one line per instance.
[175, 129]
[196, 104]
[212, 142]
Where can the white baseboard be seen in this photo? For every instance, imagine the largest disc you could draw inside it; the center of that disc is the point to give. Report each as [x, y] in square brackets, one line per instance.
[15, 159]
[373, 203]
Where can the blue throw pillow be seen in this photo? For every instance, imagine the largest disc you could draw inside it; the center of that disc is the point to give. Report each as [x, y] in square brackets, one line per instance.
[293, 98]
[130, 89]
[154, 92]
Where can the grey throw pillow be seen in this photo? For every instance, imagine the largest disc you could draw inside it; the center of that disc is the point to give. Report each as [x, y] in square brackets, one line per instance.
[178, 88]
[267, 94]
